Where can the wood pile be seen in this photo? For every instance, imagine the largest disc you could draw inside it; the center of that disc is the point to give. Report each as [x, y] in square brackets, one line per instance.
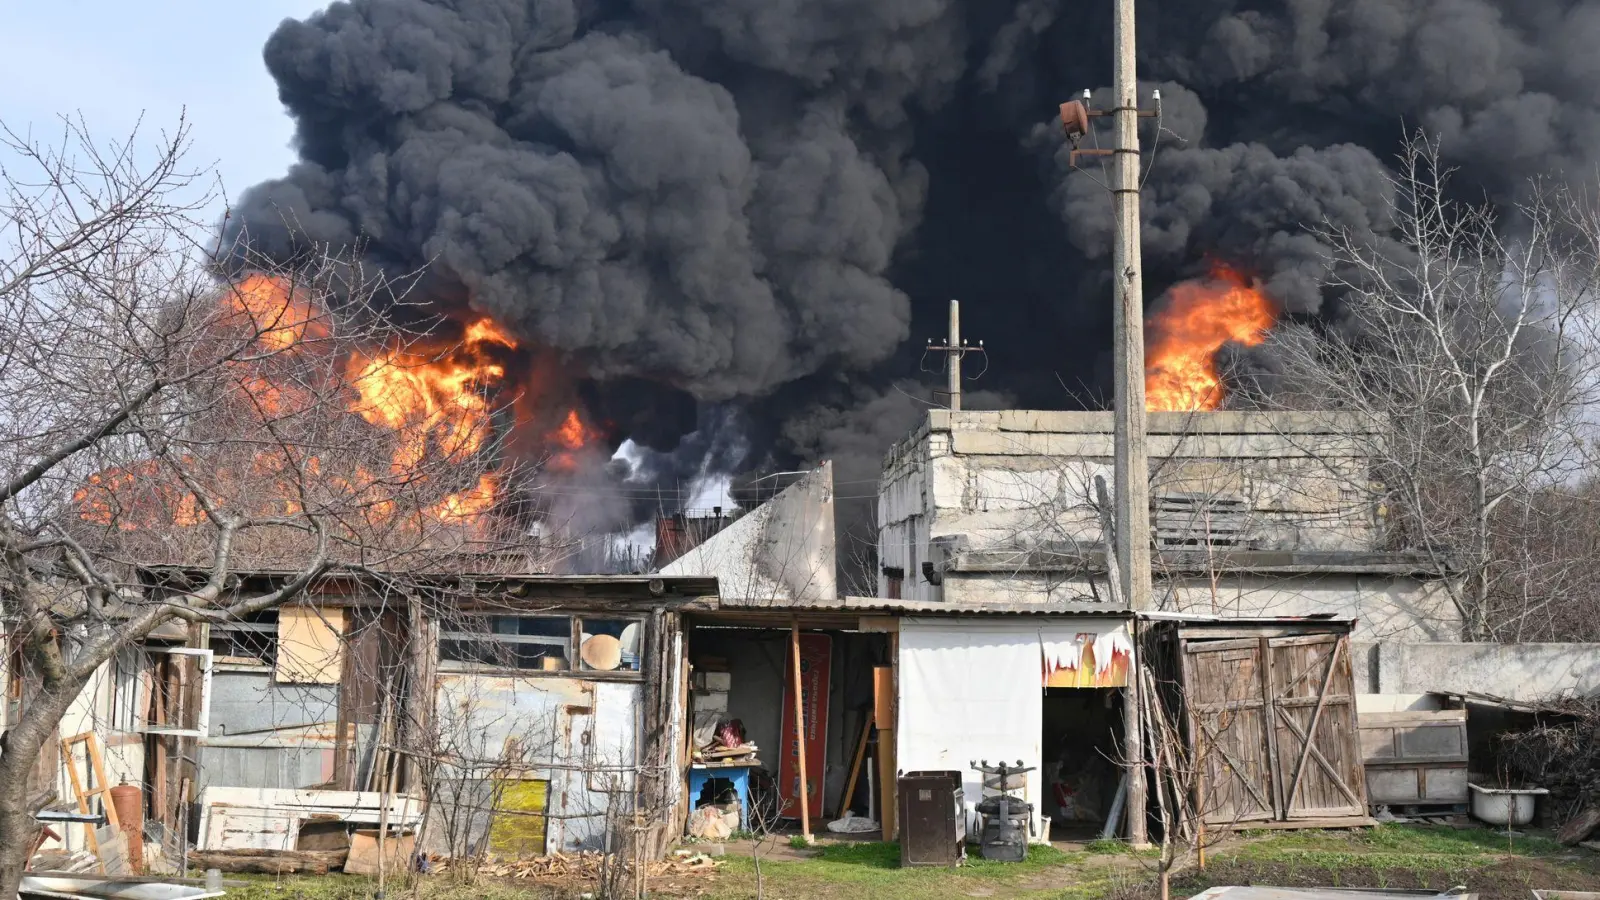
[586, 865]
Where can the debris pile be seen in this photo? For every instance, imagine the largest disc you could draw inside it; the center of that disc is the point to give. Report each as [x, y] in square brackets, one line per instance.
[728, 745]
[1559, 752]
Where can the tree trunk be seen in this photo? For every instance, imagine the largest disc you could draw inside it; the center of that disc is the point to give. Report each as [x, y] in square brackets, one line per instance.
[19, 753]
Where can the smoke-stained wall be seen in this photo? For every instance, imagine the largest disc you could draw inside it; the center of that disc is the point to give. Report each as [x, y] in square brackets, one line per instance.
[762, 206]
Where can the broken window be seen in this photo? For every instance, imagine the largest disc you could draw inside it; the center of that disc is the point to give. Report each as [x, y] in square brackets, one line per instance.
[529, 643]
[251, 640]
[893, 579]
[610, 645]
[130, 668]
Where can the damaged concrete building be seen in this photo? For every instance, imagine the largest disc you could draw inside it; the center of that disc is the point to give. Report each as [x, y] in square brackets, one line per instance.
[1253, 514]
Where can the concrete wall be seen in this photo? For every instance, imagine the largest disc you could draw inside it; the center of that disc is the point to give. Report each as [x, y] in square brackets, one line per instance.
[1023, 479]
[1513, 671]
[1385, 607]
[781, 550]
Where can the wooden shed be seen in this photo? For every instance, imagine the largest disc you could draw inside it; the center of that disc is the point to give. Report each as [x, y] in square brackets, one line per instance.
[1269, 711]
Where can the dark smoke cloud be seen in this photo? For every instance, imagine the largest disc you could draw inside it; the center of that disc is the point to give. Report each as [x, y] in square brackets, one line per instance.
[586, 190]
[764, 205]
[1243, 202]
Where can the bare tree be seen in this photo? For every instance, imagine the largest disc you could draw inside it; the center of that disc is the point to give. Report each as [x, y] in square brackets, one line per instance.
[152, 412]
[1472, 337]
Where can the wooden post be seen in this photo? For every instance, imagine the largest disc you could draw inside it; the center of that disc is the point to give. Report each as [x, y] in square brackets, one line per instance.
[804, 798]
[885, 691]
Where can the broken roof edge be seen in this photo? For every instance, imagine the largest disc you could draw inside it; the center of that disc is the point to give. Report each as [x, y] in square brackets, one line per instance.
[1560, 705]
[1172, 561]
[1201, 620]
[698, 585]
[1300, 424]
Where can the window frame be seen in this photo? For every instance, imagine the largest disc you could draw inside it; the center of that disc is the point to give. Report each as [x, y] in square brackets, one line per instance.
[569, 645]
[239, 626]
[206, 662]
[577, 636]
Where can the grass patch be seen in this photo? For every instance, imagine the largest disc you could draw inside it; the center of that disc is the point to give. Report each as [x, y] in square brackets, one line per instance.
[1406, 840]
[1391, 856]
[859, 868]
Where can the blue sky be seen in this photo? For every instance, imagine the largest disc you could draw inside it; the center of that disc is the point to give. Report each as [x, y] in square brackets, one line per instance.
[112, 61]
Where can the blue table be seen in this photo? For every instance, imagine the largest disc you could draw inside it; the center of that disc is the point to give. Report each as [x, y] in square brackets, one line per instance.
[736, 774]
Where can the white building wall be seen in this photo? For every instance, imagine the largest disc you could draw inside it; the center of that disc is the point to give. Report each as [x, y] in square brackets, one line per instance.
[971, 689]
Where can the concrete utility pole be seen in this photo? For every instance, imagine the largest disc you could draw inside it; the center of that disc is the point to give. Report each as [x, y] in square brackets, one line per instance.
[1132, 471]
[955, 350]
[955, 355]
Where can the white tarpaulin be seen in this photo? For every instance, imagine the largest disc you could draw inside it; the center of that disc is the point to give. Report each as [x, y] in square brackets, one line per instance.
[971, 689]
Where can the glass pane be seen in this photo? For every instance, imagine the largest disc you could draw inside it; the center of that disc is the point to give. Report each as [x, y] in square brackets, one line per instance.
[529, 643]
[611, 644]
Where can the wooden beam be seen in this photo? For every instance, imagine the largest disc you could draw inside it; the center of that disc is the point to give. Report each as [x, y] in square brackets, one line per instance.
[804, 798]
[855, 765]
[1269, 696]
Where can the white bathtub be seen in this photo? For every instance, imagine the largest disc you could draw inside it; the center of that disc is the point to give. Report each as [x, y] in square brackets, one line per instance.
[1504, 806]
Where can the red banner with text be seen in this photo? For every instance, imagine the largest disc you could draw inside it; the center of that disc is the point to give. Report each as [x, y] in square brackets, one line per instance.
[816, 658]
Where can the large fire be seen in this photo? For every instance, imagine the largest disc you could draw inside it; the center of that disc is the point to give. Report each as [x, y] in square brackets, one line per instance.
[1184, 337]
[437, 401]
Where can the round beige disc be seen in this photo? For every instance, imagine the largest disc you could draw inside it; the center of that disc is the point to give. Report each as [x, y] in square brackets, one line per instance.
[601, 652]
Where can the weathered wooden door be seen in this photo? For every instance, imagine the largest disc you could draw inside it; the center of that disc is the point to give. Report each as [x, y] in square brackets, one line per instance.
[1273, 722]
[1314, 710]
[1228, 730]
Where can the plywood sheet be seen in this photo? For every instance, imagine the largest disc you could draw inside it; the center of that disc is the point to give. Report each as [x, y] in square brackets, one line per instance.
[310, 648]
[363, 858]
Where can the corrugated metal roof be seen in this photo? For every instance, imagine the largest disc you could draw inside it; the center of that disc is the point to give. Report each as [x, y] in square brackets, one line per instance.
[886, 606]
[1211, 619]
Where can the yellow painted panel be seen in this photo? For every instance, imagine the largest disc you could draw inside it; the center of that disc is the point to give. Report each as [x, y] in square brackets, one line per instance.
[310, 650]
[518, 825]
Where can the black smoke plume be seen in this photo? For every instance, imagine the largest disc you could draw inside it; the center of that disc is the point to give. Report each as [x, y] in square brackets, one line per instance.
[762, 206]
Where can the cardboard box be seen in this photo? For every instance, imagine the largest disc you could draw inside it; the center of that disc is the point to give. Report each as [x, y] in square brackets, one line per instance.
[718, 681]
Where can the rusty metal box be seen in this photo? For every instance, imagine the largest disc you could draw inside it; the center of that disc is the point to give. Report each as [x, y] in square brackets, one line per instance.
[932, 823]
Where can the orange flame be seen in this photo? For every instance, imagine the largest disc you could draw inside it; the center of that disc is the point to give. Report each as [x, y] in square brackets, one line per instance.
[436, 403]
[433, 402]
[468, 505]
[1200, 317]
[279, 317]
[571, 435]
